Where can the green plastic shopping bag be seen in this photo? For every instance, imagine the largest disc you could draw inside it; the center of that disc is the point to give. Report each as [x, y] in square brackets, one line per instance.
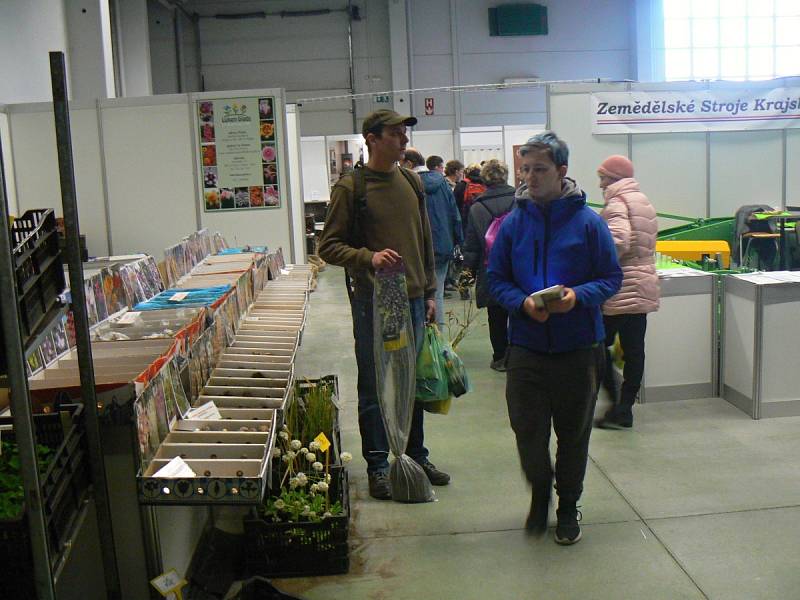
[432, 380]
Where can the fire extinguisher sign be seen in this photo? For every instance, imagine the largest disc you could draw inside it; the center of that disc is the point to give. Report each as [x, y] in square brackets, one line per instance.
[428, 106]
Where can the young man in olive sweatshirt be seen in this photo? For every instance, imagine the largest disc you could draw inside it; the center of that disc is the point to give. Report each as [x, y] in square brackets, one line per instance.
[391, 224]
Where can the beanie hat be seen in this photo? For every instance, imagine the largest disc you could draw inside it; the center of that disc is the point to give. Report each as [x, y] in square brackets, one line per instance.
[616, 166]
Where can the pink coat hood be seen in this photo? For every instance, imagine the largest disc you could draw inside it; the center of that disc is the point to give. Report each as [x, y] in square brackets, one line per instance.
[634, 226]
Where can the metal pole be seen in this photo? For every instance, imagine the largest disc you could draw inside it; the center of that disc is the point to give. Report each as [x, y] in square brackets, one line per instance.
[351, 62]
[20, 405]
[85, 366]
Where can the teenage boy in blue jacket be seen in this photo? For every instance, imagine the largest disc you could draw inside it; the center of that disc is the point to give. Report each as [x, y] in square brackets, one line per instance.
[556, 356]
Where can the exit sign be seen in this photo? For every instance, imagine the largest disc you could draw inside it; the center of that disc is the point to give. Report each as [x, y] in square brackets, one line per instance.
[383, 99]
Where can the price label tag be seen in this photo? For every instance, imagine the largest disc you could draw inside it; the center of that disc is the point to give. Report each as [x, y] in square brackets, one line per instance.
[169, 584]
[178, 297]
[323, 441]
[128, 318]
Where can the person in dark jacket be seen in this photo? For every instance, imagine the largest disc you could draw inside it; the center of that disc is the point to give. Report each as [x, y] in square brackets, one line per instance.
[446, 229]
[556, 355]
[497, 200]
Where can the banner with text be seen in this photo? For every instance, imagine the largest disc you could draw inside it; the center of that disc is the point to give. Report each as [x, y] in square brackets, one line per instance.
[700, 110]
[238, 153]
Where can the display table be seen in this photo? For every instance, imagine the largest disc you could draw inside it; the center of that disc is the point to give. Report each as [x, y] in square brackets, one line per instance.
[681, 339]
[760, 357]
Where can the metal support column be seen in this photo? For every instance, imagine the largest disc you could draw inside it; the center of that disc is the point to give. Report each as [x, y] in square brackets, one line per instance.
[20, 405]
[85, 366]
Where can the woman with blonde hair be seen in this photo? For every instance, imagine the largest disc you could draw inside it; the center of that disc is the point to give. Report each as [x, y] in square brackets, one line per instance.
[496, 201]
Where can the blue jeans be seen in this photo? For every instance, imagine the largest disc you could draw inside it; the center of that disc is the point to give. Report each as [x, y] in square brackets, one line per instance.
[374, 445]
[441, 277]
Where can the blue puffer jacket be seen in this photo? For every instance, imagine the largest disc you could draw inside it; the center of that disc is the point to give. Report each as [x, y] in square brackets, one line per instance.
[566, 243]
[443, 214]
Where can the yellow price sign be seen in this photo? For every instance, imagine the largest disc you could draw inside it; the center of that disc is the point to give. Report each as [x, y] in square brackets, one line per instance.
[323, 441]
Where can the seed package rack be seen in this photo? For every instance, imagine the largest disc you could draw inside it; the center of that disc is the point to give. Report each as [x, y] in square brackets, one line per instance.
[228, 444]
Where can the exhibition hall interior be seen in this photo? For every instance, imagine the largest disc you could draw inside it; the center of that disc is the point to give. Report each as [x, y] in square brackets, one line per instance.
[399, 299]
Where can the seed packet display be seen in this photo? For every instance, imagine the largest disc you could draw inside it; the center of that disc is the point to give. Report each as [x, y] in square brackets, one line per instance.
[160, 404]
[69, 327]
[153, 276]
[34, 362]
[133, 291]
[91, 304]
[181, 401]
[48, 351]
[99, 297]
[196, 370]
[170, 402]
[113, 289]
[59, 336]
[143, 428]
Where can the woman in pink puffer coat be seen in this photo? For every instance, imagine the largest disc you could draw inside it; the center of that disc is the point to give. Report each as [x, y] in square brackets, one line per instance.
[632, 221]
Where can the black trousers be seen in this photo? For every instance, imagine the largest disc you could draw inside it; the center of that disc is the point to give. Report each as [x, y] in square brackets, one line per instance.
[631, 329]
[558, 389]
[498, 330]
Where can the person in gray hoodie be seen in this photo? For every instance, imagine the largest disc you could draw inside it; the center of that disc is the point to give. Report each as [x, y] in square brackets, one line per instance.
[497, 200]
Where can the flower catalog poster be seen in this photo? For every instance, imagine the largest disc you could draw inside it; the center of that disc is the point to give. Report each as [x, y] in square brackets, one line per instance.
[238, 153]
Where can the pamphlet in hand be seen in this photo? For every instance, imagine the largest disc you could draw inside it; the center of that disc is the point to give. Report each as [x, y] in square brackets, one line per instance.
[542, 297]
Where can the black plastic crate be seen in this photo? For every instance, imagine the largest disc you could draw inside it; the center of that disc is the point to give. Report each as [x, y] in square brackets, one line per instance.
[300, 549]
[64, 488]
[38, 273]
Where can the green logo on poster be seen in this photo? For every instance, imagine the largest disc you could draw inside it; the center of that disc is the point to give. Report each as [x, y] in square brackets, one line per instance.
[235, 113]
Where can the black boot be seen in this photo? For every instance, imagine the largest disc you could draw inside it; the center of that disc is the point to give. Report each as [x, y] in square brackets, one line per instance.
[568, 530]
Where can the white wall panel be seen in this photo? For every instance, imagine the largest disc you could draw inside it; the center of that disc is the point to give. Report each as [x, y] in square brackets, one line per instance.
[745, 169]
[314, 157]
[569, 118]
[792, 172]
[36, 167]
[8, 163]
[430, 27]
[29, 29]
[149, 162]
[164, 65]
[671, 169]
[439, 143]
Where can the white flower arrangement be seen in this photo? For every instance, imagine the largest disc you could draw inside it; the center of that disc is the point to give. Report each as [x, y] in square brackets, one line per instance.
[296, 444]
[322, 487]
[317, 466]
[346, 457]
[311, 457]
[314, 446]
[284, 435]
[276, 452]
[303, 450]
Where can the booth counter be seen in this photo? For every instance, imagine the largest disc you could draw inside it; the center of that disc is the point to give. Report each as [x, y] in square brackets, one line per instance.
[681, 340]
[760, 357]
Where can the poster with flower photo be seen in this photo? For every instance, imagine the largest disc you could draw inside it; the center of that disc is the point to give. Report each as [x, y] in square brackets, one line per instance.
[238, 154]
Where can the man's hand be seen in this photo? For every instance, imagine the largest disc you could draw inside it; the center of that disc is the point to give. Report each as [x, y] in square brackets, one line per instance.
[566, 304]
[430, 311]
[537, 314]
[385, 258]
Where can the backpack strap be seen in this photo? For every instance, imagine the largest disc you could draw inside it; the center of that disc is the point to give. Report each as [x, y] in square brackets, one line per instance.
[412, 182]
[359, 206]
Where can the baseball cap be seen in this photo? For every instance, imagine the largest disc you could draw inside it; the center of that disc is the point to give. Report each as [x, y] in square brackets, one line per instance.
[383, 117]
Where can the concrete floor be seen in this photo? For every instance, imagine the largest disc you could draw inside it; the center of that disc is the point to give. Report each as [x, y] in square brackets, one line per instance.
[697, 501]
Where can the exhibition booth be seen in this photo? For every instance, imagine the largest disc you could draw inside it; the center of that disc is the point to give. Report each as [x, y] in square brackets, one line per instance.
[218, 187]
